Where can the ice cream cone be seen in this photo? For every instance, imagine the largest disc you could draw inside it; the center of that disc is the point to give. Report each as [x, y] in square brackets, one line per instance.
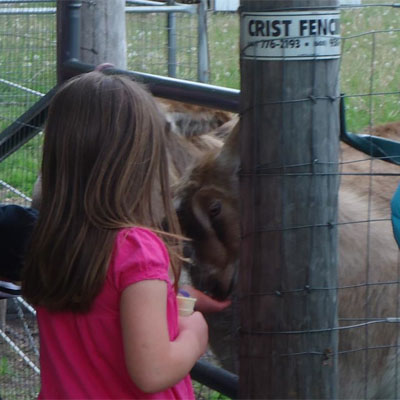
[185, 305]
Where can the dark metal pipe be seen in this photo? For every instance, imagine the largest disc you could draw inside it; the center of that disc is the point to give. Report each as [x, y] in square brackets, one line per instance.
[174, 89]
[25, 127]
[68, 34]
[216, 378]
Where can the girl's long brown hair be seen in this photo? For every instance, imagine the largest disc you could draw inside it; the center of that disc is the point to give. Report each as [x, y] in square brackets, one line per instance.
[104, 168]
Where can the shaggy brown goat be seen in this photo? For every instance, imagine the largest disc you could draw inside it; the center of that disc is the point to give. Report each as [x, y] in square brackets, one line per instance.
[208, 208]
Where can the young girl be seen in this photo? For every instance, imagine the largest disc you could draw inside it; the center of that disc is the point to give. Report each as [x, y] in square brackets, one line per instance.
[99, 269]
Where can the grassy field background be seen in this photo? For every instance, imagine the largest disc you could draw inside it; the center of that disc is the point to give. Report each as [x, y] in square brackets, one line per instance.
[370, 73]
[370, 61]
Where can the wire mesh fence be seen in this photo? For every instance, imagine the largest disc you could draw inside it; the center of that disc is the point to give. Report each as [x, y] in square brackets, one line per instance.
[19, 372]
[158, 55]
[368, 287]
[370, 74]
[368, 281]
[28, 71]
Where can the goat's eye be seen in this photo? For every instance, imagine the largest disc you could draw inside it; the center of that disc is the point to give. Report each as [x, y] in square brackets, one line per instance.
[214, 208]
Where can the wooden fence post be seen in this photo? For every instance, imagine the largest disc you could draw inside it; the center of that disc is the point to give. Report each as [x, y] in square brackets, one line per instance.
[92, 32]
[103, 33]
[288, 191]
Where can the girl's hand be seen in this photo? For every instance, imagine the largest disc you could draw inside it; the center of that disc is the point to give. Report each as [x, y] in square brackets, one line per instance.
[197, 326]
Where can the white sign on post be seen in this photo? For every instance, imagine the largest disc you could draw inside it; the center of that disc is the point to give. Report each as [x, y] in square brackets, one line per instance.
[298, 35]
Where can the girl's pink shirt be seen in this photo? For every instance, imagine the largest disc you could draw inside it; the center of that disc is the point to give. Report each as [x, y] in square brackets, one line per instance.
[82, 355]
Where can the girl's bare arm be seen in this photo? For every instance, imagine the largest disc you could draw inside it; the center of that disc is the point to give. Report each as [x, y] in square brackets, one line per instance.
[153, 361]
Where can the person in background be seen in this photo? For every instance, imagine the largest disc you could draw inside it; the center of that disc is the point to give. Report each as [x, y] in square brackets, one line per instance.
[16, 225]
[395, 207]
[100, 271]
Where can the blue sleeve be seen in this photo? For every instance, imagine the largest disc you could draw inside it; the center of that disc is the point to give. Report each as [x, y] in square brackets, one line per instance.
[395, 206]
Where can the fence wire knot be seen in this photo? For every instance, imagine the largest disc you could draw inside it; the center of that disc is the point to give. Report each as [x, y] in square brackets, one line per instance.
[327, 358]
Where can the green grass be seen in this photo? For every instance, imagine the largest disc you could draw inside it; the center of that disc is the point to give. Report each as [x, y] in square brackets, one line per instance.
[20, 169]
[371, 65]
[223, 37]
[370, 61]
[5, 367]
[204, 393]
[27, 59]
[151, 53]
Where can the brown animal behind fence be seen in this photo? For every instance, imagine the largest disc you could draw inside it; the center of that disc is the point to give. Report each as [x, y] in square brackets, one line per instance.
[207, 200]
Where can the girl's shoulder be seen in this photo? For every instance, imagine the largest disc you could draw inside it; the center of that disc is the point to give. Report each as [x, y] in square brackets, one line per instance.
[140, 238]
[140, 248]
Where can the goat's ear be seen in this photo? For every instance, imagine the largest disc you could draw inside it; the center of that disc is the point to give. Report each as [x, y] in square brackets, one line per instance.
[229, 158]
